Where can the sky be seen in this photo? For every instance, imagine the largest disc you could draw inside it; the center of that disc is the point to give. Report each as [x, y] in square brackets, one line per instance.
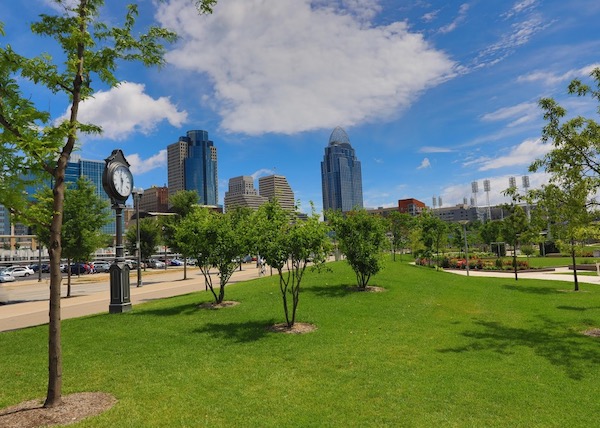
[434, 95]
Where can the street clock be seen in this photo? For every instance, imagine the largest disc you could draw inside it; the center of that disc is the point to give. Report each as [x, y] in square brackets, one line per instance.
[117, 179]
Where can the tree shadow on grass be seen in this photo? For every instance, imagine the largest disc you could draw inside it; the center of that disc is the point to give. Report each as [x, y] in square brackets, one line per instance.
[182, 309]
[577, 308]
[342, 290]
[248, 331]
[569, 350]
[532, 290]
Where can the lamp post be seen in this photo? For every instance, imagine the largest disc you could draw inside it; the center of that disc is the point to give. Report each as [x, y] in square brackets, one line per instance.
[464, 224]
[137, 196]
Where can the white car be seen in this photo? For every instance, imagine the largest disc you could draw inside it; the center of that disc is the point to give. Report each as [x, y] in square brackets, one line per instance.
[6, 277]
[19, 271]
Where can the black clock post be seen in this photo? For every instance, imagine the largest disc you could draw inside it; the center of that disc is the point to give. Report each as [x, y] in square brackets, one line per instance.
[118, 183]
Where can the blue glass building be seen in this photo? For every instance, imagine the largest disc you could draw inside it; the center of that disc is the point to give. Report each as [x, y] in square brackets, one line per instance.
[92, 170]
[341, 175]
[192, 163]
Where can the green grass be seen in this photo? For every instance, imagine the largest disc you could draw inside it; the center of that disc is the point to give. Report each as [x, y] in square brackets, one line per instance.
[435, 349]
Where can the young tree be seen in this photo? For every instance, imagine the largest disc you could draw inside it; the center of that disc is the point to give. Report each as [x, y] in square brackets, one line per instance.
[400, 225]
[217, 240]
[362, 239]
[288, 244]
[33, 144]
[435, 233]
[513, 227]
[85, 213]
[182, 204]
[575, 142]
[149, 237]
[570, 210]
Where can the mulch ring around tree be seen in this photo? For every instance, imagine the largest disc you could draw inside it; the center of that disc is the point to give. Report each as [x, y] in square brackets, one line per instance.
[297, 328]
[74, 408]
[593, 332]
[213, 305]
[367, 289]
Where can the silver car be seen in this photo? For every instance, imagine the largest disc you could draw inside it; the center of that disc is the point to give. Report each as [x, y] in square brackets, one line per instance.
[6, 277]
[19, 271]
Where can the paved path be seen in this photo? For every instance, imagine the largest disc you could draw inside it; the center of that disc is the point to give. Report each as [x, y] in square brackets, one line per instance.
[559, 274]
[28, 300]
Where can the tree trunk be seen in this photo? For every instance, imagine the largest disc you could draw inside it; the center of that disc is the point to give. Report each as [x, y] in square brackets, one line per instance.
[515, 260]
[574, 266]
[68, 277]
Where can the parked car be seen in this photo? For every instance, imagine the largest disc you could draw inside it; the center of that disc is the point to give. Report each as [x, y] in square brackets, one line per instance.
[101, 266]
[247, 259]
[176, 262]
[79, 268]
[156, 264]
[6, 277]
[19, 271]
[45, 268]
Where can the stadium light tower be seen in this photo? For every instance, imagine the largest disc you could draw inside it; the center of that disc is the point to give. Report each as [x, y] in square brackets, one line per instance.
[525, 180]
[486, 189]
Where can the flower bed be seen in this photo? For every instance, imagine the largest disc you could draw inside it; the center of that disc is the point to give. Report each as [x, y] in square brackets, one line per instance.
[474, 263]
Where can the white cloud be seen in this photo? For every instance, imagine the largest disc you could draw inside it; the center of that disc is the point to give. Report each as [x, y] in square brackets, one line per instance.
[284, 66]
[550, 79]
[523, 154]
[462, 15]
[520, 7]
[263, 172]
[430, 16]
[432, 149]
[126, 109]
[141, 166]
[517, 114]
[424, 164]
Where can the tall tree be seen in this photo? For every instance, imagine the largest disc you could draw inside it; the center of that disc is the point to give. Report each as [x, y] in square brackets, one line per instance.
[513, 226]
[34, 145]
[288, 245]
[362, 239]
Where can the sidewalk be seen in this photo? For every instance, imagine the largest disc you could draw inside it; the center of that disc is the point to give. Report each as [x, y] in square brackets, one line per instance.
[559, 274]
[31, 313]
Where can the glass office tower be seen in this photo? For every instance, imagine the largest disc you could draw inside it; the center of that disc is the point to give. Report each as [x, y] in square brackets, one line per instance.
[192, 165]
[341, 176]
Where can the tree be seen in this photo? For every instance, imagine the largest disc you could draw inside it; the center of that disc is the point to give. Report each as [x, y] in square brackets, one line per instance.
[217, 241]
[182, 204]
[34, 147]
[490, 232]
[400, 225]
[362, 239]
[570, 211]
[85, 213]
[513, 227]
[149, 238]
[575, 142]
[289, 244]
[434, 232]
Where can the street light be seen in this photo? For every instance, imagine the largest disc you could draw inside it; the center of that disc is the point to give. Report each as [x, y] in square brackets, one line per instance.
[464, 224]
[137, 196]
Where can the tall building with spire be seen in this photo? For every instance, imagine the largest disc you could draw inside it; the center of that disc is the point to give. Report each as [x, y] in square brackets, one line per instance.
[341, 176]
[192, 165]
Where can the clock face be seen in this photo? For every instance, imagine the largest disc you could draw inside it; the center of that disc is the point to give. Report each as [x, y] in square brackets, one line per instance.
[123, 181]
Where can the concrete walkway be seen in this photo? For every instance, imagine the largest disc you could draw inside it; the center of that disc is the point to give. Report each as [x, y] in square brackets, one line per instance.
[559, 274]
[91, 294]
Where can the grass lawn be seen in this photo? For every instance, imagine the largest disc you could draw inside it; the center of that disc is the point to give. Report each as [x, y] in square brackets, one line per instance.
[435, 349]
[557, 261]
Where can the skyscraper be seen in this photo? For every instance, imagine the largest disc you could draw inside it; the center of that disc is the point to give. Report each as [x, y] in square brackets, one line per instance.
[276, 186]
[341, 176]
[242, 193]
[192, 165]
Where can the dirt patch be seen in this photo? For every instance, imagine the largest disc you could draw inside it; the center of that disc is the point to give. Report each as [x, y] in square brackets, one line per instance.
[297, 328]
[74, 408]
[225, 304]
[367, 289]
[593, 332]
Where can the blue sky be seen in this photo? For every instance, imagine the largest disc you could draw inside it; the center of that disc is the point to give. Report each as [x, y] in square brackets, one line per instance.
[433, 94]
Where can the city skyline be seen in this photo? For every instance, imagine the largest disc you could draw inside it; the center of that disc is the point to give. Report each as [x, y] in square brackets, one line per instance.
[434, 96]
